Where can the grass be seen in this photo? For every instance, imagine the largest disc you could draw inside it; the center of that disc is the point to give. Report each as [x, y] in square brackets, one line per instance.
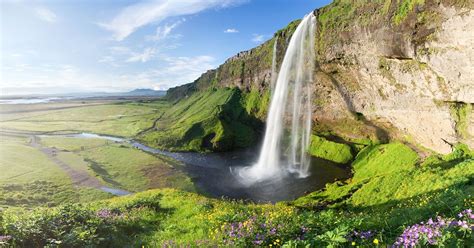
[175, 218]
[16, 167]
[73, 144]
[390, 189]
[133, 170]
[391, 184]
[35, 180]
[404, 9]
[336, 152]
[112, 119]
[119, 165]
[386, 158]
[210, 120]
[30, 179]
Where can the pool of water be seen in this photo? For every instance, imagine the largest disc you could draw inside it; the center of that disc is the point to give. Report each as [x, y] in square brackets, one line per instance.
[113, 191]
[213, 173]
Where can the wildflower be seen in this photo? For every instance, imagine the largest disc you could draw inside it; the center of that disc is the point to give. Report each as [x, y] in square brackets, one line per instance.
[353, 243]
[376, 241]
[5, 239]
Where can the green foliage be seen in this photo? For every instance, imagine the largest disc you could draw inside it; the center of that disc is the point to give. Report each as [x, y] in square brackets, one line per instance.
[81, 225]
[257, 103]
[383, 159]
[404, 9]
[210, 120]
[461, 112]
[336, 152]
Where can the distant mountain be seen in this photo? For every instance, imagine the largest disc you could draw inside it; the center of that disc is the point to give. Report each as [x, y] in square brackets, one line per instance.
[144, 92]
[133, 93]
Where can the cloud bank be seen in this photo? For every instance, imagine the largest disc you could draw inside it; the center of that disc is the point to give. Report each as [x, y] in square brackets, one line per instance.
[138, 15]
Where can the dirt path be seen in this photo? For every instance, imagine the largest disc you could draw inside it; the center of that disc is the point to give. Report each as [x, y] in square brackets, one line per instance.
[79, 178]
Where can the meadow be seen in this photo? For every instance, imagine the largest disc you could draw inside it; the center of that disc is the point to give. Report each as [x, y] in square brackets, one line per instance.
[117, 119]
[51, 190]
[32, 177]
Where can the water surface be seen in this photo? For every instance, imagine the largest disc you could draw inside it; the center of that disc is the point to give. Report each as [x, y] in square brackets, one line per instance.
[214, 173]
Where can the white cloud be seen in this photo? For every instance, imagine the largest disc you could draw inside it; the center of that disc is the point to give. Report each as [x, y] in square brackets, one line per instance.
[231, 30]
[138, 15]
[46, 14]
[143, 57]
[257, 38]
[120, 50]
[174, 71]
[61, 78]
[162, 32]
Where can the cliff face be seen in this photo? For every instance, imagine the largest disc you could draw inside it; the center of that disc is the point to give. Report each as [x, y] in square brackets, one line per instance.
[386, 70]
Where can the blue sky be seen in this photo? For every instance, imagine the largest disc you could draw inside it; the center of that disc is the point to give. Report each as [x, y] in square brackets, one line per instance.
[96, 45]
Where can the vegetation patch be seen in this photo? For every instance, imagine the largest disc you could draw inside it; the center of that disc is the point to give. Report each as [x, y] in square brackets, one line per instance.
[212, 120]
[461, 112]
[383, 159]
[332, 151]
[122, 119]
[256, 103]
[406, 7]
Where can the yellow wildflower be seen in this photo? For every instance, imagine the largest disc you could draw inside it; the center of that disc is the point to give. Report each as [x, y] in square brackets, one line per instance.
[353, 243]
[376, 241]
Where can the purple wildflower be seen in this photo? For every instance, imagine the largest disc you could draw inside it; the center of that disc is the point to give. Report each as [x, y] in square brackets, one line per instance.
[107, 214]
[5, 238]
[432, 231]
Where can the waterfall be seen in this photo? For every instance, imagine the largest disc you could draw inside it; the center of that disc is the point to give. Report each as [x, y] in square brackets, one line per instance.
[274, 65]
[290, 106]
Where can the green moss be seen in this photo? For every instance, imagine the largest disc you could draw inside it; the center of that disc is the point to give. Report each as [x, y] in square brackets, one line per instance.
[388, 185]
[383, 159]
[289, 29]
[404, 9]
[461, 112]
[256, 103]
[336, 152]
[461, 152]
[337, 16]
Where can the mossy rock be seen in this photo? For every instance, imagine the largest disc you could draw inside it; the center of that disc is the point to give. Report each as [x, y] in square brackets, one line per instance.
[383, 159]
[332, 151]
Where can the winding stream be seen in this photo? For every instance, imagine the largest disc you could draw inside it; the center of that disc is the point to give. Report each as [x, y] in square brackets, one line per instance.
[213, 173]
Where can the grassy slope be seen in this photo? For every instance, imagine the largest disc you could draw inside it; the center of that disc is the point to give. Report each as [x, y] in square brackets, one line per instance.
[336, 152]
[210, 120]
[391, 185]
[390, 189]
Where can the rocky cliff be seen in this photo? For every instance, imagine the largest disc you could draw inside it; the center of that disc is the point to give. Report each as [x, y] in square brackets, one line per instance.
[386, 70]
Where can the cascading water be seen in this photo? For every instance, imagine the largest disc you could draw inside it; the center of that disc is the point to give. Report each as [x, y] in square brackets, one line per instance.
[291, 98]
[274, 64]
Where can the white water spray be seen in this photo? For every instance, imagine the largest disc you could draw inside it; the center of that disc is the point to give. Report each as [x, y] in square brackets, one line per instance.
[274, 65]
[291, 98]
